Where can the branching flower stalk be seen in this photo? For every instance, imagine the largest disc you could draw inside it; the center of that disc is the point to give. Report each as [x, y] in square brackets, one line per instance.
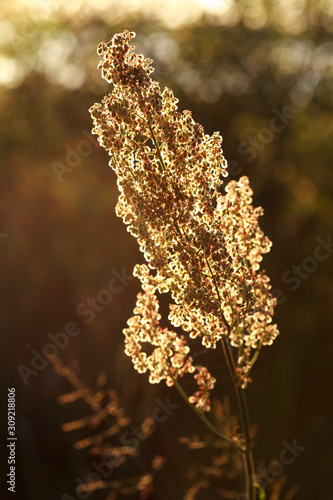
[202, 245]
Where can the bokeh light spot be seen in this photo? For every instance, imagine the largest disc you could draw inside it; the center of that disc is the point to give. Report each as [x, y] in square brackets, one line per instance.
[305, 192]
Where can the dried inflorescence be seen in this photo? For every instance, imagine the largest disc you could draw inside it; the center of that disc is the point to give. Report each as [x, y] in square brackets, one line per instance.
[201, 246]
[109, 428]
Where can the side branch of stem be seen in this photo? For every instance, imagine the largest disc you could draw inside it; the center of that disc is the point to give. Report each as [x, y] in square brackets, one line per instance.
[207, 423]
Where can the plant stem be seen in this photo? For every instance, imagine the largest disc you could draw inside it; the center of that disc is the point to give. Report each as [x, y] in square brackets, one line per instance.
[255, 356]
[157, 149]
[242, 406]
[207, 423]
[245, 424]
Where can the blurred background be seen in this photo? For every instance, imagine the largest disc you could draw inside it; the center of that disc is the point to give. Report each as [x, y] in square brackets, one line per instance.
[261, 73]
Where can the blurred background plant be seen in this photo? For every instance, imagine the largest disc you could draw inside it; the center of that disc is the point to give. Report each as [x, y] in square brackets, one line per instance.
[236, 65]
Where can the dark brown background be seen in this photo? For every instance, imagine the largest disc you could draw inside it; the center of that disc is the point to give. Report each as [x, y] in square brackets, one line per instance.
[63, 238]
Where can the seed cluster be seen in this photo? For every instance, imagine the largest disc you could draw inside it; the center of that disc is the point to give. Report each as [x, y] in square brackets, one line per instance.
[201, 246]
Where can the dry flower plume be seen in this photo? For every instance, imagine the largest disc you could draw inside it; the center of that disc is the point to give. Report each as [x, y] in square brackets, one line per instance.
[202, 246]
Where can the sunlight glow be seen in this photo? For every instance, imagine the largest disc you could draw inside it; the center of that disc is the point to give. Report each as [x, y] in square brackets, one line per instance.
[287, 14]
[213, 5]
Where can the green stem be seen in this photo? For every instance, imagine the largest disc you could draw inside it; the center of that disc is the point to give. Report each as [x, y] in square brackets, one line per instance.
[245, 423]
[218, 294]
[122, 132]
[157, 149]
[242, 406]
[207, 423]
[163, 167]
[255, 356]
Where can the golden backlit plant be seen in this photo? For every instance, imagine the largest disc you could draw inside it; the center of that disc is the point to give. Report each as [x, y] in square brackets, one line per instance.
[200, 238]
